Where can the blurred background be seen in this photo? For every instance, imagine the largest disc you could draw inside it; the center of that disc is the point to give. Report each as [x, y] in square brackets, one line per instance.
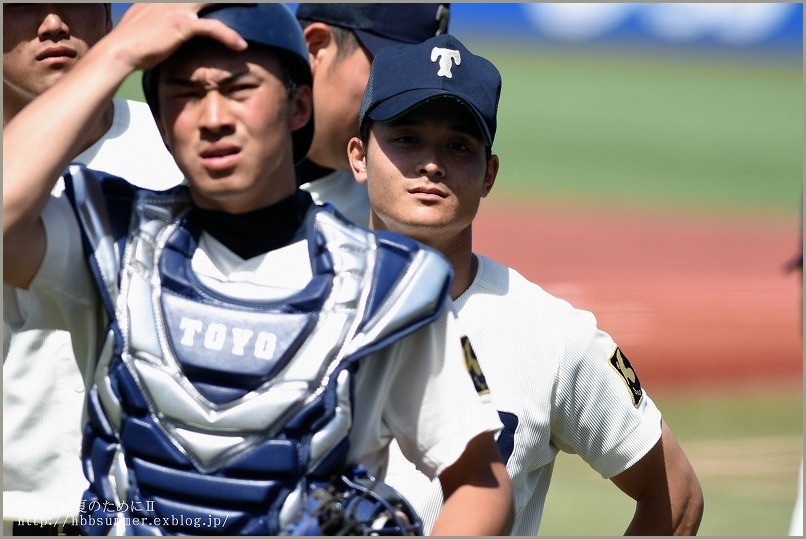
[652, 173]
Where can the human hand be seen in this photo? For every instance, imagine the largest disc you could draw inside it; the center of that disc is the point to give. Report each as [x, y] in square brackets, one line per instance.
[149, 33]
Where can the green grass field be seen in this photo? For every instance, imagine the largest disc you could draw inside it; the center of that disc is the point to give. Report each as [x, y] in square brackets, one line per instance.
[669, 133]
[746, 449]
[666, 135]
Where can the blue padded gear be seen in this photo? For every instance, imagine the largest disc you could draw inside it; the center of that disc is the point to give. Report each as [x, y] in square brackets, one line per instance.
[186, 428]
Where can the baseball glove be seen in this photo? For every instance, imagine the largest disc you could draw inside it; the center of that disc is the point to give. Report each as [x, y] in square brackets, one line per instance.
[355, 503]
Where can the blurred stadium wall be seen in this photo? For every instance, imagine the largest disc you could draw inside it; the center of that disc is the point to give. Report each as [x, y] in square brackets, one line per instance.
[742, 27]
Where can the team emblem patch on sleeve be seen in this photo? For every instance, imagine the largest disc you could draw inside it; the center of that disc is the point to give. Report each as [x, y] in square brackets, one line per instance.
[473, 367]
[622, 366]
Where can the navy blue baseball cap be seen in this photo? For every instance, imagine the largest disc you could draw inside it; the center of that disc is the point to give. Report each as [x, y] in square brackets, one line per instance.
[382, 24]
[406, 76]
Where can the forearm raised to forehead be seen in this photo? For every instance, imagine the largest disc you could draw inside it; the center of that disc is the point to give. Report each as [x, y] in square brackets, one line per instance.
[42, 139]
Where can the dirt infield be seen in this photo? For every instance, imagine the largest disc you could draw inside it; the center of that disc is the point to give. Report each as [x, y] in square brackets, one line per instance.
[691, 301]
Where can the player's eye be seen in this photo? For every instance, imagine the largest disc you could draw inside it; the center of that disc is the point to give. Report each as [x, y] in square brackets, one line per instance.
[405, 139]
[241, 90]
[459, 147]
[184, 92]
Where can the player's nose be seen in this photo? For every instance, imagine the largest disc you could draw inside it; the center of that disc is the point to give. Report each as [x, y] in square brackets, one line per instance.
[53, 26]
[432, 168]
[430, 165]
[214, 113]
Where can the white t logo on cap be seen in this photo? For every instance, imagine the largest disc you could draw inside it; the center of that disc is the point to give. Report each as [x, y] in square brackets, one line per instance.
[447, 57]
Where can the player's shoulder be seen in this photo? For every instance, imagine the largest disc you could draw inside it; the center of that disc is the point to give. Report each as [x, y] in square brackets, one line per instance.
[512, 287]
[132, 104]
[504, 291]
[133, 120]
[340, 189]
[131, 112]
[133, 149]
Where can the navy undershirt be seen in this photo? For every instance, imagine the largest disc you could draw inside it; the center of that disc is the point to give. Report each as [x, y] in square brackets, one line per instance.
[256, 232]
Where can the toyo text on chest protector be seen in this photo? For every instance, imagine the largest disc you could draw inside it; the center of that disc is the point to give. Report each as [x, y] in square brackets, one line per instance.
[210, 414]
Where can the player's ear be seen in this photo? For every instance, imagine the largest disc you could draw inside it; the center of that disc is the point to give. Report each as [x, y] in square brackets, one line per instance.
[318, 36]
[161, 129]
[357, 155]
[301, 108]
[490, 174]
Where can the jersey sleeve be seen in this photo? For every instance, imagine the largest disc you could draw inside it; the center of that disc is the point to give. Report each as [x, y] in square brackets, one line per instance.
[601, 411]
[62, 285]
[434, 408]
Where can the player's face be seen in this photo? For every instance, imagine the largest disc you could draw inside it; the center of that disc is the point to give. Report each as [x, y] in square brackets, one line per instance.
[42, 42]
[426, 172]
[338, 87]
[227, 118]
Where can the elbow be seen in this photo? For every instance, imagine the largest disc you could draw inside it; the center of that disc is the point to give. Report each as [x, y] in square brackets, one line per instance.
[17, 222]
[671, 512]
[690, 515]
[23, 251]
[9, 224]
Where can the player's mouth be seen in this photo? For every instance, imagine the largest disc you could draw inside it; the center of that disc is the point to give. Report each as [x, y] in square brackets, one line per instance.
[220, 157]
[56, 55]
[428, 193]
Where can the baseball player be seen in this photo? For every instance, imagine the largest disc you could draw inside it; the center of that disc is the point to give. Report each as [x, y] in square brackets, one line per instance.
[427, 122]
[43, 389]
[342, 40]
[253, 353]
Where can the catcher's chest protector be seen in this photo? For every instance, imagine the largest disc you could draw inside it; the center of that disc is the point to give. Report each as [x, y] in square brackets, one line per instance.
[209, 414]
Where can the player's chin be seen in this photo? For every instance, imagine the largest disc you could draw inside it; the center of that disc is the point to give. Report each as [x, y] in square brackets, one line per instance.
[424, 222]
[219, 187]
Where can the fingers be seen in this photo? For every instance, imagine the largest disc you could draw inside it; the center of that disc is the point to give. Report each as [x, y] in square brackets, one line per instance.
[149, 33]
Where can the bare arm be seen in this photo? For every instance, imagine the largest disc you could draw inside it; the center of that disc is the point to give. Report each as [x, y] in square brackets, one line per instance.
[478, 493]
[40, 141]
[668, 494]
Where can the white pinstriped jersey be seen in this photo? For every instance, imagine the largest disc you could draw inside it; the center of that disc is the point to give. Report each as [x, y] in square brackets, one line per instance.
[417, 389]
[340, 189]
[43, 390]
[558, 382]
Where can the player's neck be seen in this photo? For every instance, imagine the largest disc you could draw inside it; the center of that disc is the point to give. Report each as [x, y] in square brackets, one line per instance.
[458, 249]
[464, 275]
[456, 246]
[319, 157]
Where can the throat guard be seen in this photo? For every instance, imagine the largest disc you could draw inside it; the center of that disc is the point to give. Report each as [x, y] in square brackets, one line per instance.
[212, 414]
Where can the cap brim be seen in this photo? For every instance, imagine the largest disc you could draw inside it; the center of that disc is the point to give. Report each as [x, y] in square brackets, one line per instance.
[374, 43]
[395, 107]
